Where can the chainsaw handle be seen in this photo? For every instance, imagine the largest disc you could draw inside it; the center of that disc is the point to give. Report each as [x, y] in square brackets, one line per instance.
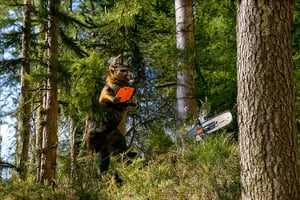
[132, 103]
[198, 122]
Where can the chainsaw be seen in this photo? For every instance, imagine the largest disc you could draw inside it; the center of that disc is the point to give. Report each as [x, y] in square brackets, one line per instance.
[210, 125]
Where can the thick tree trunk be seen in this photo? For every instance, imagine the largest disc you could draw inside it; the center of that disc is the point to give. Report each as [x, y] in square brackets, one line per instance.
[50, 140]
[266, 101]
[186, 85]
[24, 111]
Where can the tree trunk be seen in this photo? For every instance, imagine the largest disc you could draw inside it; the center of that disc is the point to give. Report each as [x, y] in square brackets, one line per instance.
[73, 129]
[50, 141]
[186, 86]
[24, 111]
[266, 101]
[39, 123]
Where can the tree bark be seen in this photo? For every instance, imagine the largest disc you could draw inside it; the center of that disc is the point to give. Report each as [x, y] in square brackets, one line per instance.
[39, 124]
[73, 130]
[266, 101]
[24, 111]
[50, 140]
[186, 85]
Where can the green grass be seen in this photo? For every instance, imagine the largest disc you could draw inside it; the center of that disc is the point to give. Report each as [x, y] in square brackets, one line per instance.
[200, 170]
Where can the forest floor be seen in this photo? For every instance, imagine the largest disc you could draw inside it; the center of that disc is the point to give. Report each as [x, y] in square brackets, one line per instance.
[208, 169]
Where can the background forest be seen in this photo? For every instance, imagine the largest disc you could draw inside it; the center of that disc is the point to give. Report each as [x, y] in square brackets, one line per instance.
[90, 33]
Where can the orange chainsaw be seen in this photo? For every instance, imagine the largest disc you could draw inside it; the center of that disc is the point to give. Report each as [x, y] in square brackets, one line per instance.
[125, 94]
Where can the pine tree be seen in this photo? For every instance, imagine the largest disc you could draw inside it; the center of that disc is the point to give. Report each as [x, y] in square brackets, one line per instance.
[25, 96]
[186, 85]
[50, 138]
[266, 101]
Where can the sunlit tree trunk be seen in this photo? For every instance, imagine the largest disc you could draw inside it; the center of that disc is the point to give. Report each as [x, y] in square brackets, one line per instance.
[41, 93]
[50, 140]
[73, 129]
[186, 86]
[1, 169]
[24, 110]
[39, 124]
[266, 101]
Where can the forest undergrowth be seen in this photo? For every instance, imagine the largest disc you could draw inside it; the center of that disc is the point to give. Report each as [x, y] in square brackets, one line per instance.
[208, 169]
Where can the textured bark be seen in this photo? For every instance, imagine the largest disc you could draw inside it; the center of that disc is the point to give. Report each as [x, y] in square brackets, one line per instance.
[186, 85]
[50, 140]
[24, 111]
[266, 101]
